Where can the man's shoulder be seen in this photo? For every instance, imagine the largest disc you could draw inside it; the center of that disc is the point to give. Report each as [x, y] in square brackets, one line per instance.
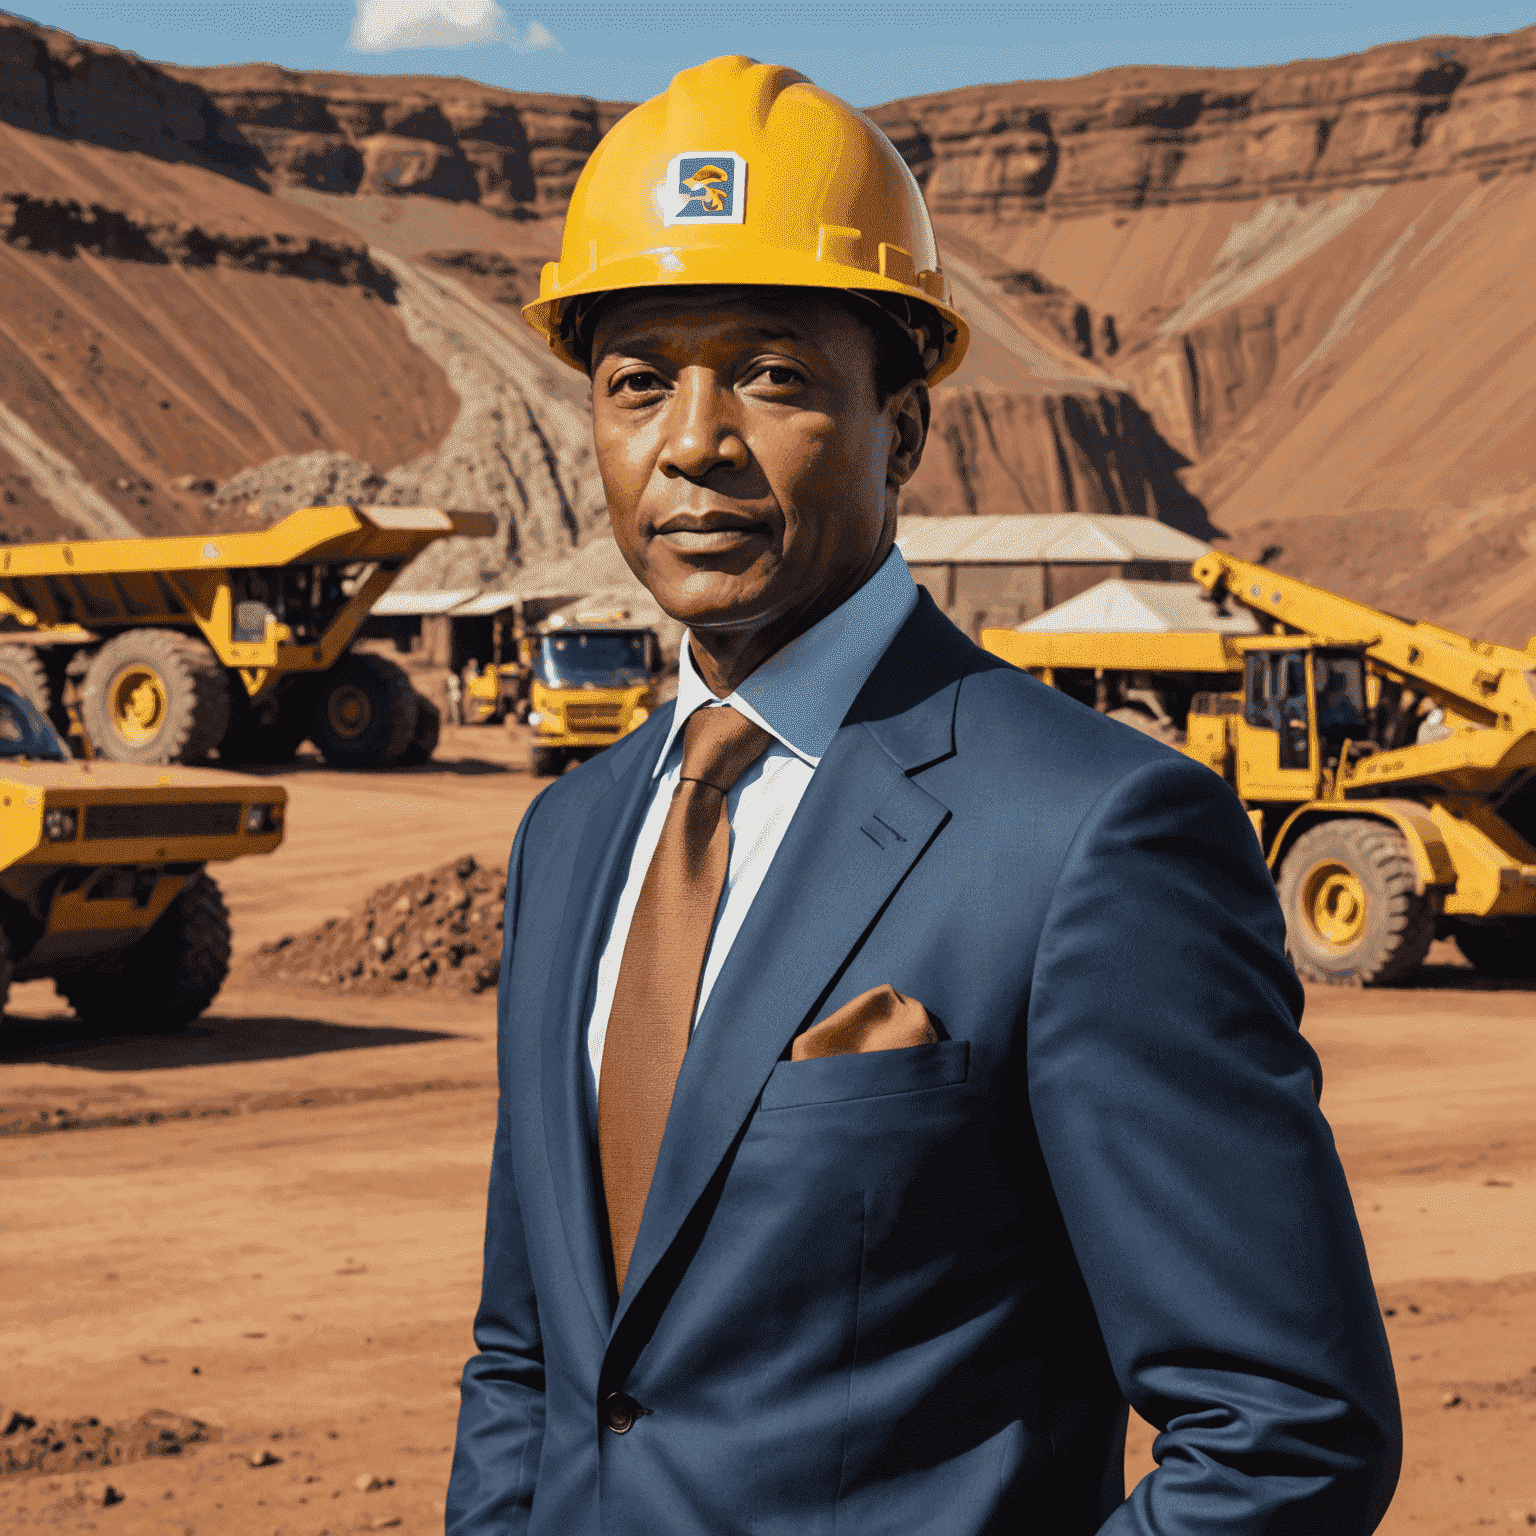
[1020, 741]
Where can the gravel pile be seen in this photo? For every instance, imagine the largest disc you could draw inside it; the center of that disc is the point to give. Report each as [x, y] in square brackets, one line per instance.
[440, 931]
[28, 1446]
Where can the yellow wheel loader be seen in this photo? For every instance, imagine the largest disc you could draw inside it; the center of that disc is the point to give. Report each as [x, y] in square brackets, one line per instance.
[103, 880]
[1388, 767]
[591, 682]
[240, 643]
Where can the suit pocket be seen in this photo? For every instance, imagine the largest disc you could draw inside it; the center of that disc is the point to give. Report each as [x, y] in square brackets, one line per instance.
[866, 1075]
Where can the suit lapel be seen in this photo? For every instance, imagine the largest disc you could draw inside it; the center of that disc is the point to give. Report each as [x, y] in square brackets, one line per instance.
[859, 830]
[598, 871]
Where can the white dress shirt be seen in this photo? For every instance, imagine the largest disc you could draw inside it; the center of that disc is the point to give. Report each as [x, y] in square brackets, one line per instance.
[800, 695]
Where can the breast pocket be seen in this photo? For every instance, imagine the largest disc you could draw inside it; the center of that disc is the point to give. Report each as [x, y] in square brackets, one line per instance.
[866, 1075]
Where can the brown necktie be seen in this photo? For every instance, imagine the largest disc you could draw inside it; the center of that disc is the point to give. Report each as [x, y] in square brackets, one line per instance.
[658, 984]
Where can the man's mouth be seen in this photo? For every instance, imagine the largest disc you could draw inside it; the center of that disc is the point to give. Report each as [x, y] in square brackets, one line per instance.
[709, 533]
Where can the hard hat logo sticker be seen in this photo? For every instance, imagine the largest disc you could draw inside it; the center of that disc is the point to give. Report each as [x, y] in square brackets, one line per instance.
[705, 188]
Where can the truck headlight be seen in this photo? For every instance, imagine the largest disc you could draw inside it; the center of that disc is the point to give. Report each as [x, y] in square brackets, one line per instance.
[60, 825]
[261, 818]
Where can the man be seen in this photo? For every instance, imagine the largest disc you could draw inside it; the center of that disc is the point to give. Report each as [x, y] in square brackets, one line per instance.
[900, 1067]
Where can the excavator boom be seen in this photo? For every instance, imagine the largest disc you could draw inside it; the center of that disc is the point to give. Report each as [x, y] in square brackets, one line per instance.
[1487, 684]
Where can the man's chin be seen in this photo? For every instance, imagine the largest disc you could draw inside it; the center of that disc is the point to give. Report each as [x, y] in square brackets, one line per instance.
[711, 600]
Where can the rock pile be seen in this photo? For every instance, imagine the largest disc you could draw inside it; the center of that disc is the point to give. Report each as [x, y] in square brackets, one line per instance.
[28, 1446]
[440, 930]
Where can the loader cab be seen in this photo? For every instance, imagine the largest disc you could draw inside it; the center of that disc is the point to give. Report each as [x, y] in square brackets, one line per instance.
[1301, 704]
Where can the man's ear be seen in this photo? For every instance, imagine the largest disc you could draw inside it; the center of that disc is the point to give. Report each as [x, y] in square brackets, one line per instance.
[908, 411]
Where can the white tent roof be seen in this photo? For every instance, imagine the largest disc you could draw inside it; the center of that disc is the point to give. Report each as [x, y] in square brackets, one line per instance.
[398, 605]
[1143, 608]
[485, 605]
[1026, 538]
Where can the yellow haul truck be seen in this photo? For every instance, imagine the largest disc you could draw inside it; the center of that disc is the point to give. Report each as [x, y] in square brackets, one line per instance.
[1388, 767]
[103, 887]
[590, 683]
[239, 642]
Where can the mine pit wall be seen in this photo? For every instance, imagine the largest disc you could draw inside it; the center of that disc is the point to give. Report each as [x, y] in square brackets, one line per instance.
[1134, 138]
[1000, 164]
[515, 153]
[1154, 205]
[997, 452]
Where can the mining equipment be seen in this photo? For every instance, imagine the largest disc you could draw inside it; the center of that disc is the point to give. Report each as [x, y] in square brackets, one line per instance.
[591, 681]
[163, 650]
[103, 880]
[1388, 767]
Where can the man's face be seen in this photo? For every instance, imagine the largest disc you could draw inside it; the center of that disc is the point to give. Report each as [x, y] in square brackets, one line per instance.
[751, 475]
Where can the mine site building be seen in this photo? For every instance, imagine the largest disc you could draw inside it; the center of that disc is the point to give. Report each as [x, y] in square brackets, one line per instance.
[1000, 571]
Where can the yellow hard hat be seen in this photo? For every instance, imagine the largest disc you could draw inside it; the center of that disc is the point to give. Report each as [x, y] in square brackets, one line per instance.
[746, 173]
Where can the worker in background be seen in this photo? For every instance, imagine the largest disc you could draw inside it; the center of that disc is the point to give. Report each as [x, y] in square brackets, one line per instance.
[455, 695]
[900, 1062]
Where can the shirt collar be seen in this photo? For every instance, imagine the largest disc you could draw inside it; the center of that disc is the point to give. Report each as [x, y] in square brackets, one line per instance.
[802, 693]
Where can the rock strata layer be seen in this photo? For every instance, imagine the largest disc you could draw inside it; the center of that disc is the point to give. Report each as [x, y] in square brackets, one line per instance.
[1135, 138]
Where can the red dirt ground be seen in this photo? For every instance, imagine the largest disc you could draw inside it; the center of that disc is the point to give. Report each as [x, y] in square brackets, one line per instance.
[290, 1251]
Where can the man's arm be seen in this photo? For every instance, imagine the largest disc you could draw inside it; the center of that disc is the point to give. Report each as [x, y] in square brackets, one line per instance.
[1176, 1107]
[501, 1412]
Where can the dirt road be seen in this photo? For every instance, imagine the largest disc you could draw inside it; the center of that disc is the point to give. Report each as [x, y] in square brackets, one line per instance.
[272, 1222]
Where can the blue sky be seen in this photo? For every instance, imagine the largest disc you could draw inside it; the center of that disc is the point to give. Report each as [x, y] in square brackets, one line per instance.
[865, 51]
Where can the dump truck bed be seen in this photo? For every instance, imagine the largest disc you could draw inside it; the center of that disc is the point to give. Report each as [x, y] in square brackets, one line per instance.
[110, 582]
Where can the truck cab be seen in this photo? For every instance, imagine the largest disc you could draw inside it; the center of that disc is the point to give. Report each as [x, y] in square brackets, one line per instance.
[103, 881]
[590, 682]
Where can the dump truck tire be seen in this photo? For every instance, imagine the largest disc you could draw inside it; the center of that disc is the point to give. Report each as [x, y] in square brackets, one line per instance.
[429, 730]
[1352, 915]
[167, 978]
[23, 672]
[7, 971]
[1504, 947]
[261, 737]
[155, 696]
[546, 762]
[365, 712]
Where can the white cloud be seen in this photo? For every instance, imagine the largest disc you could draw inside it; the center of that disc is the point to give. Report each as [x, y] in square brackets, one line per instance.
[382, 26]
[536, 39]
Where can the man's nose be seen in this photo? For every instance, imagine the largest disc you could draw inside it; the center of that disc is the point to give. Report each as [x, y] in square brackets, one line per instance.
[703, 431]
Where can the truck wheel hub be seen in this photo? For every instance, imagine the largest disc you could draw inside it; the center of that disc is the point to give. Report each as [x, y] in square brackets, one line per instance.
[139, 703]
[349, 712]
[1334, 901]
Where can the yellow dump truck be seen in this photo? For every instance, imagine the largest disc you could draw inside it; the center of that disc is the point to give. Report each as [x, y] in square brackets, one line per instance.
[103, 885]
[591, 682]
[240, 643]
[1388, 767]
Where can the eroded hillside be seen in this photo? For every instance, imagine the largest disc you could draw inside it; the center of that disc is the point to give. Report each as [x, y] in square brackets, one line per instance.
[1289, 307]
[1315, 280]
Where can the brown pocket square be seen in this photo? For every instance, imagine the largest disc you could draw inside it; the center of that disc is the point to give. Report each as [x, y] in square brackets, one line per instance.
[878, 1020]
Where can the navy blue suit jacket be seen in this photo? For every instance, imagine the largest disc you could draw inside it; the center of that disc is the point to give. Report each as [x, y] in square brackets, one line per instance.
[913, 1290]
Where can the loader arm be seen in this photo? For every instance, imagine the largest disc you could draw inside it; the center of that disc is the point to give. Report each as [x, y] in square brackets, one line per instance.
[1482, 683]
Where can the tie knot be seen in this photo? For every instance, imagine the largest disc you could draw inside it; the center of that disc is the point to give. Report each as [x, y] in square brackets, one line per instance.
[719, 745]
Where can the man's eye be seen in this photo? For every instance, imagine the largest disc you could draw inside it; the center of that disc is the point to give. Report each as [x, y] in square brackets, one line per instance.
[636, 384]
[779, 376]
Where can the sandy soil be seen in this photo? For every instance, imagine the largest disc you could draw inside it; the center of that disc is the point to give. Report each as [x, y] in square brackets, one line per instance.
[272, 1222]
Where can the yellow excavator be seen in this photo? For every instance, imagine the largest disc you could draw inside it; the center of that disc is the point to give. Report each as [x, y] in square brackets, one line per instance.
[164, 650]
[1388, 766]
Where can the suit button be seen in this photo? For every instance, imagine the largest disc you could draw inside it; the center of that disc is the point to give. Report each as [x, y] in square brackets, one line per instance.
[620, 1413]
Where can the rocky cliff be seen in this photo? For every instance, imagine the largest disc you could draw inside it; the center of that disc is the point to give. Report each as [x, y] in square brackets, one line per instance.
[513, 152]
[1280, 306]
[1158, 138]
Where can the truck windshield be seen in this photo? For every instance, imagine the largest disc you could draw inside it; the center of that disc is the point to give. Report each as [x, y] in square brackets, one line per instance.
[24, 732]
[603, 658]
